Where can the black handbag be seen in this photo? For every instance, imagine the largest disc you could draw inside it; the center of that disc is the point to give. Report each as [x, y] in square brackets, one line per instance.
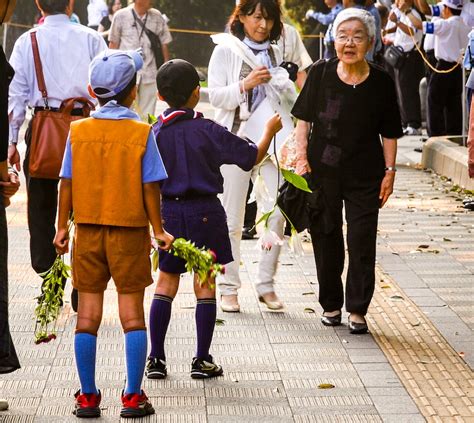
[394, 56]
[154, 41]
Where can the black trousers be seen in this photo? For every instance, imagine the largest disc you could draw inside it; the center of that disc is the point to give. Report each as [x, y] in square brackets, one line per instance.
[445, 101]
[361, 202]
[42, 205]
[407, 82]
[8, 358]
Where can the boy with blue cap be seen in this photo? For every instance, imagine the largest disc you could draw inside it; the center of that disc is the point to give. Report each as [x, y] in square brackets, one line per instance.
[193, 149]
[110, 178]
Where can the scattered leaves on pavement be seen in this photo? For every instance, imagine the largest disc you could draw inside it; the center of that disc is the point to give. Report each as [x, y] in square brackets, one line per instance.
[326, 386]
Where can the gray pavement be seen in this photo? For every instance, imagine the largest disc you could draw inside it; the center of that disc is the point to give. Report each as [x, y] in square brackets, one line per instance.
[274, 362]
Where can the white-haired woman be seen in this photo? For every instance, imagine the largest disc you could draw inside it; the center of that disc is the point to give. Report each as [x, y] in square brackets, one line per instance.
[350, 105]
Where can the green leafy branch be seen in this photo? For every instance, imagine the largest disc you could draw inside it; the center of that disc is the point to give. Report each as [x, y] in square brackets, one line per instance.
[201, 261]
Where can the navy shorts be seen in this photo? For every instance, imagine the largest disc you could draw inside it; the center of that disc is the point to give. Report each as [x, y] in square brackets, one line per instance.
[201, 220]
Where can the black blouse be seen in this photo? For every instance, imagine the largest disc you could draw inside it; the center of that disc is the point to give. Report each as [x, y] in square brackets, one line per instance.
[348, 121]
[6, 75]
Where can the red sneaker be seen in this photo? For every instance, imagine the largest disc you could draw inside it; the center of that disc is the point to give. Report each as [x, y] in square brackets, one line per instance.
[87, 405]
[136, 405]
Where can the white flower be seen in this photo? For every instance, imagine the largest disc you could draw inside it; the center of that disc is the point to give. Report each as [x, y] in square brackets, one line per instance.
[260, 191]
[268, 239]
[296, 246]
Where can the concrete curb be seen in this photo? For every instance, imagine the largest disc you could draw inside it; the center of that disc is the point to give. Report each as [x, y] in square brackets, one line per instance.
[448, 159]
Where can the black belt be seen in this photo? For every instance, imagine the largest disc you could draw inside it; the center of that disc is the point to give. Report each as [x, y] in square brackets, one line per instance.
[74, 112]
[188, 197]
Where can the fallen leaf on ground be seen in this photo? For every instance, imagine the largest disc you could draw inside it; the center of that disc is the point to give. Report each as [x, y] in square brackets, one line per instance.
[326, 386]
[461, 354]
[423, 246]
[309, 310]
[220, 322]
[188, 307]
[385, 286]
[396, 298]
[415, 323]
[447, 239]
[308, 293]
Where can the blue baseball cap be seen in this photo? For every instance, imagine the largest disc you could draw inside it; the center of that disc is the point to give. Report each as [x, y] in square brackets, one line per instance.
[112, 70]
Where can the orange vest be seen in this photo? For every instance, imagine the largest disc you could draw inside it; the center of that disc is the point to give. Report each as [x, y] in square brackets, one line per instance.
[107, 171]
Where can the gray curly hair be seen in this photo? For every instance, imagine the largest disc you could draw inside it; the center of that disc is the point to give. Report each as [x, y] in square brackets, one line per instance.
[354, 13]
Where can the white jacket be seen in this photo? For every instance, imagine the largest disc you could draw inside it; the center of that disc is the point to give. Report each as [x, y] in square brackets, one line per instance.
[223, 78]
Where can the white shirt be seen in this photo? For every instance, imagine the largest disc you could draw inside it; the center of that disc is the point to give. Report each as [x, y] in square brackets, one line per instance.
[451, 36]
[467, 13]
[96, 10]
[293, 48]
[402, 39]
[66, 49]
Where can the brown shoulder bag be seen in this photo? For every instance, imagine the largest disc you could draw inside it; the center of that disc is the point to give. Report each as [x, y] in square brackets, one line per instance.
[49, 129]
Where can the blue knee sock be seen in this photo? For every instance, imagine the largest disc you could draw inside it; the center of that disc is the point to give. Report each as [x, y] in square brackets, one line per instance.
[205, 323]
[85, 347]
[160, 314]
[135, 357]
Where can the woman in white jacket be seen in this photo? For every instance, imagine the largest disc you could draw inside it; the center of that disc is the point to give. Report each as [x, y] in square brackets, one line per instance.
[245, 78]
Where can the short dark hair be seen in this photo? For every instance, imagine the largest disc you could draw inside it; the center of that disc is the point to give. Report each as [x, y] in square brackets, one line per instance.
[175, 99]
[53, 7]
[271, 9]
[360, 2]
[455, 12]
[121, 96]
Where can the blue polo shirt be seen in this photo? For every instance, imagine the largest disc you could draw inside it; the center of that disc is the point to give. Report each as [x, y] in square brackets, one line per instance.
[193, 150]
[153, 169]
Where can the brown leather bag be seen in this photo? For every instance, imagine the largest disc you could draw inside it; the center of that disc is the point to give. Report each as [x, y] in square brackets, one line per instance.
[49, 129]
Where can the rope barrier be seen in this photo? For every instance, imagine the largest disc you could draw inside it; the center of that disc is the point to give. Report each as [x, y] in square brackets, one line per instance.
[177, 30]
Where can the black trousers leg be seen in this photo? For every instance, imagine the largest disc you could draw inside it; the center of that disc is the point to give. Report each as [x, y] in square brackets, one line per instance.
[438, 94]
[250, 210]
[361, 202]
[42, 205]
[453, 110]
[407, 80]
[328, 246]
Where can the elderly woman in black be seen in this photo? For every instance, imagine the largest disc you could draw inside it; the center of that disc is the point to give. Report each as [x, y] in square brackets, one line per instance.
[347, 134]
[9, 184]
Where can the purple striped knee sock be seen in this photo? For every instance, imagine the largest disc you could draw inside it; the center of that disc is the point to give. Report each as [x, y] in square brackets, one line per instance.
[160, 314]
[205, 323]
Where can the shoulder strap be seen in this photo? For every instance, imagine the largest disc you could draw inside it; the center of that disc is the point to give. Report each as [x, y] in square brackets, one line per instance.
[39, 68]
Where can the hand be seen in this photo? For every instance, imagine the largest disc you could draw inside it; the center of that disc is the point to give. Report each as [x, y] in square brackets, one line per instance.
[309, 14]
[302, 167]
[9, 188]
[274, 124]
[14, 157]
[386, 187]
[61, 241]
[259, 75]
[393, 17]
[164, 239]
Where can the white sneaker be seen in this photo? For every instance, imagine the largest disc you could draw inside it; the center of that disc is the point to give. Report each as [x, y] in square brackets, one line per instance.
[410, 131]
[3, 405]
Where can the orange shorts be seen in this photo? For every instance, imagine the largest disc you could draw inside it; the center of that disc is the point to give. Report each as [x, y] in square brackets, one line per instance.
[101, 252]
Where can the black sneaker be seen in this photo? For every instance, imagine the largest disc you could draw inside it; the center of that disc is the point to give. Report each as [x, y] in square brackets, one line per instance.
[155, 368]
[205, 369]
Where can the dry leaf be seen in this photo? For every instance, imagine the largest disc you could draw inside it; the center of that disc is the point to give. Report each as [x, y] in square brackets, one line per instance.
[309, 310]
[423, 246]
[396, 298]
[325, 386]
[220, 322]
[385, 286]
[308, 293]
[446, 239]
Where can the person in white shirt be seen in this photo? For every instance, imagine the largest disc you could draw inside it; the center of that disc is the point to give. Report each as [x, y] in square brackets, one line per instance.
[66, 49]
[409, 74]
[96, 10]
[445, 88]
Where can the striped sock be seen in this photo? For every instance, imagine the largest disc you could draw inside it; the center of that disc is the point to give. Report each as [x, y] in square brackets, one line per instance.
[160, 315]
[135, 357]
[85, 347]
[205, 322]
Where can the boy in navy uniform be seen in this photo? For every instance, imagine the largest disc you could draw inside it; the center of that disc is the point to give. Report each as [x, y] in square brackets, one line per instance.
[193, 149]
[444, 109]
[110, 175]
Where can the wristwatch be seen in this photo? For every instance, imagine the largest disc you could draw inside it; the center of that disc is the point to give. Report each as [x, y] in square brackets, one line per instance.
[11, 142]
[391, 169]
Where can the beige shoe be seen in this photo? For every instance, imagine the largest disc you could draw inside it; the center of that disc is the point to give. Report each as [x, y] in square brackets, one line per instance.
[230, 303]
[271, 301]
[3, 405]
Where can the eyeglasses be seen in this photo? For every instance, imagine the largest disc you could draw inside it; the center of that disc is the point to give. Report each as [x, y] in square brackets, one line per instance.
[356, 39]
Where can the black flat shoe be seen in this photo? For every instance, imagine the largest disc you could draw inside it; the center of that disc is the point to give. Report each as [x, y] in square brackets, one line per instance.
[358, 328]
[331, 321]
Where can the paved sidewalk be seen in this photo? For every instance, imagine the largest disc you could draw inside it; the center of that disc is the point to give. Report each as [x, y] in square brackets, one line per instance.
[409, 369]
